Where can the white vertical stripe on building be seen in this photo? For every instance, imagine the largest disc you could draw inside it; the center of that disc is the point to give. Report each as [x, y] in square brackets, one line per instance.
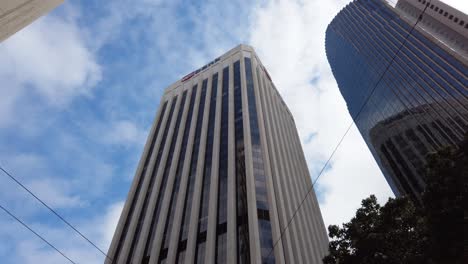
[273, 150]
[232, 209]
[310, 249]
[213, 200]
[131, 193]
[284, 175]
[291, 176]
[254, 239]
[175, 234]
[140, 249]
[193, 226]
[261, 111]
[155, 189]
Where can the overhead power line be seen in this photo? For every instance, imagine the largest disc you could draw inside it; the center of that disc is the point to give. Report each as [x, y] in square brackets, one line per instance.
[349, 127]
[53, 211]
[42, 238]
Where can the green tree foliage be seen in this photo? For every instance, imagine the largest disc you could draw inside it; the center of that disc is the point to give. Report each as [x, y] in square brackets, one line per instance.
[404, 232]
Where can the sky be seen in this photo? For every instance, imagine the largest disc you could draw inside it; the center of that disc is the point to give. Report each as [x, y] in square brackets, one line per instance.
[81, 86]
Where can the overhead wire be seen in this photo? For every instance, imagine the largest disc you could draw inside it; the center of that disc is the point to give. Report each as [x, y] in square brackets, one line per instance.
[53, 211]
[37, 234]
[349, 128]
[295, 211]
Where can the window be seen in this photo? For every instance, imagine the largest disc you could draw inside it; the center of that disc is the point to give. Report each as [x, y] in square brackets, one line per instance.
[136, 238]
[178, 175]
[462, 23]
[221, 227]
[445, 14]
[140, 181]
[450, 17]
[441, 11]
[456, 20]
[432, 7]
[206, 176]
[243, 252]
[191, 177]
[436, 9]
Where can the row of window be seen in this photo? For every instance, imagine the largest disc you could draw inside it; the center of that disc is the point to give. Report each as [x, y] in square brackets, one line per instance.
[173, 185]
[206, 175]
[243, 245]
[365, 40]
[191, 178]
[149, 190]
[446, 14]
[141, 177]
[221, 226]
[164, 180]
[178, 175]
[266, 236]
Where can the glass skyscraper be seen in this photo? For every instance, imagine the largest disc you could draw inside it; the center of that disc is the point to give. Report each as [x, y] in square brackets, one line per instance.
[221, 174]
[419, 102]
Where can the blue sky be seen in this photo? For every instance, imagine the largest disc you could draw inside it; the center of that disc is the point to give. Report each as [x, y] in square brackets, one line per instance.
[80, 88]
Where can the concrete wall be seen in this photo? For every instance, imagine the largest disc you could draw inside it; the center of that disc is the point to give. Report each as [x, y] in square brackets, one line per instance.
[17, 14]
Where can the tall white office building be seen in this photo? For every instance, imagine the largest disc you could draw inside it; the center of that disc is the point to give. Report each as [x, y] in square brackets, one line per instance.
[221, 175]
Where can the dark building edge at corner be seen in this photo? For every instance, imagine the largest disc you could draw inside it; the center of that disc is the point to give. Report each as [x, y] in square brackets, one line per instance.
[421, 102]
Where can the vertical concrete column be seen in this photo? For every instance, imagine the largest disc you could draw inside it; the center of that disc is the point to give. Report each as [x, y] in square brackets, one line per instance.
[175, 234]
[158, 174]
[254, 238]
[139, 254]
[296, 221]
[213, 200]
[285, 181]
[274, 219]
[310, 247]
[276, 170]
[194, 213]
[124, 215]
[232, 209]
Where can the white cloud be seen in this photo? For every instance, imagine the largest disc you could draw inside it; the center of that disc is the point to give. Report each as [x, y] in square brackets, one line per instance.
[124, 132]
[290, 39]
[461, 5]
[32, 170]
[49, 59]
[111, 219]
[55, 193]
[30, 249]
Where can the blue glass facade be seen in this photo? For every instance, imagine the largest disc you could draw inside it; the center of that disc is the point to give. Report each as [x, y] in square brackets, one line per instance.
[420, 103]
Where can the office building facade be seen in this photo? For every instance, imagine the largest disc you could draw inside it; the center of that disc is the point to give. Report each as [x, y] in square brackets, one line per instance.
[405, 86]
[221, 174]
[17, 14]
